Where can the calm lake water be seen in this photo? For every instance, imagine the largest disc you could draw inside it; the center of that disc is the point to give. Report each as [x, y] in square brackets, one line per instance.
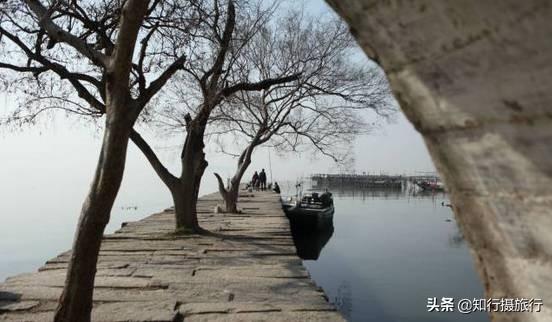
[389, 252]
[24, 247]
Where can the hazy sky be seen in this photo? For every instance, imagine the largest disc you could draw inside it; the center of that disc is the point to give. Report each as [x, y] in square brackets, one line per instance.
[45, 173]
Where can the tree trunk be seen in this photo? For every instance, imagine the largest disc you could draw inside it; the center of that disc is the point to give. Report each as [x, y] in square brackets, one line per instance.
[76, 300]
[230, 195]
[187, 192]
[185, 189]
[231, 201]
[477, 89]
[185, 208]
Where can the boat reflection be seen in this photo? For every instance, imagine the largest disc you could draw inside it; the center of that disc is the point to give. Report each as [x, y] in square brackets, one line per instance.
[308, 242]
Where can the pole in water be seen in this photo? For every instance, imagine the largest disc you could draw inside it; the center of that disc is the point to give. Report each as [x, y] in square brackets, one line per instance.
[270, 165]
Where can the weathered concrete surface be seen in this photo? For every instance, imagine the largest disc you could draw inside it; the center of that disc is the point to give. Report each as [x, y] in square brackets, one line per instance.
[474, 77]
[248, 272]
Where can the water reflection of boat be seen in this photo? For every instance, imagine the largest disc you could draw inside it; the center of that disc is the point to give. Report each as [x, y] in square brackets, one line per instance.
[313, 212]
[309, 243]
[427, 193]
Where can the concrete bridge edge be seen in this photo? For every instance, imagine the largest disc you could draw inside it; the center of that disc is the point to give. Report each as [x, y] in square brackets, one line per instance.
[474, 78]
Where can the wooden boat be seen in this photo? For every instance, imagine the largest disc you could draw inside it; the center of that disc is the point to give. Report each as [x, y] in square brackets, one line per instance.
[313, 212]
[431, 185]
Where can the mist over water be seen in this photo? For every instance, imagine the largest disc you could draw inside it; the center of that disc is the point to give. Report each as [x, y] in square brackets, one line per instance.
[389, 251]
[45, 173]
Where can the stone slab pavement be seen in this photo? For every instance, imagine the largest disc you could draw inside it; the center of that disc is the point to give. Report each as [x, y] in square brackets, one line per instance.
[247, 270]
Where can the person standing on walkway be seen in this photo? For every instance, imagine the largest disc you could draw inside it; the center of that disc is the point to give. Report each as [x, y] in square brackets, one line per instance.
[262, 178]
[255, 181]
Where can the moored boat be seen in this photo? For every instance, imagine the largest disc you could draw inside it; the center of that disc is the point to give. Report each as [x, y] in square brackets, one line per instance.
[314, 211]
[431, 185]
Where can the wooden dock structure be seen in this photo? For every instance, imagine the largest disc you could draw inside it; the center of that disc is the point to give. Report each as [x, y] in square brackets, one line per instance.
[367, 181]
[247, 271]
[357, 180]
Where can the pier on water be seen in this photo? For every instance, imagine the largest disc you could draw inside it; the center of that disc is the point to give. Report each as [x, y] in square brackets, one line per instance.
[368, 180]
[248, 270]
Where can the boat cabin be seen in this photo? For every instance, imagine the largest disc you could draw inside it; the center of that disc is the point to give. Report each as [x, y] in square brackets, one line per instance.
[316, 200]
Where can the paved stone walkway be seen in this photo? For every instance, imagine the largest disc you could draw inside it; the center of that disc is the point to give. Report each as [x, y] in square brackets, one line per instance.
[250, 272]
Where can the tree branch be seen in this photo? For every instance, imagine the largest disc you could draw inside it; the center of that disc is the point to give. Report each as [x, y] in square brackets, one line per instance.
[31, 69]
[132, 15]
[216, 70]
[222, 188]
[157, 84]
[60, 35]
[148, 152]
[264, 84]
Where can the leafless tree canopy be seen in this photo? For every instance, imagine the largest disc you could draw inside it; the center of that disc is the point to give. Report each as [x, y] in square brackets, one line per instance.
[103, 69]
[321, 109]
[215, 71]
[290, 80]
[67, 71]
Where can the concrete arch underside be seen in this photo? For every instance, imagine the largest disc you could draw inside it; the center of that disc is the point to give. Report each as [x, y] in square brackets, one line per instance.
[474, 77]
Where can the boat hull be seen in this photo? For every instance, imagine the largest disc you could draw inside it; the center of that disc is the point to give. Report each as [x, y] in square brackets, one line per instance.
[310, 219]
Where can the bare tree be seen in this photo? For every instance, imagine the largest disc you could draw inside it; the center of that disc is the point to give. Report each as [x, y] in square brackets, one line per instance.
[80, 57]
[320, 110]
[212, 75]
